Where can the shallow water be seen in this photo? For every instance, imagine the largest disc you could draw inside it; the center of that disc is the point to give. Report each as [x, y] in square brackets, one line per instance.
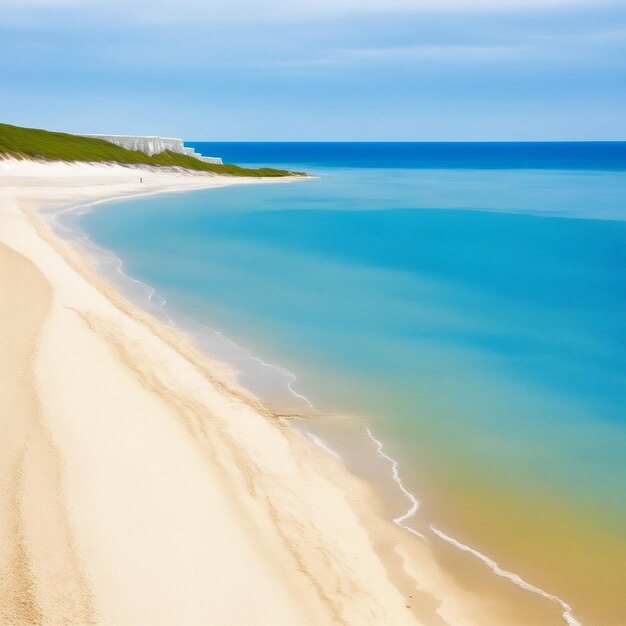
[474, 317]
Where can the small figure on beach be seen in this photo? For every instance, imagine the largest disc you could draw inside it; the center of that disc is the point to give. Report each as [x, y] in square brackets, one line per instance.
[141, 179]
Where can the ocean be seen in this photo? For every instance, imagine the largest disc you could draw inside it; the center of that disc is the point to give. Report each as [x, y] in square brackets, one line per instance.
[464, 304]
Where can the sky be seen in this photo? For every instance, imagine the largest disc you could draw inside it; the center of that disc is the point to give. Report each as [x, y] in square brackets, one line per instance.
[317, 70]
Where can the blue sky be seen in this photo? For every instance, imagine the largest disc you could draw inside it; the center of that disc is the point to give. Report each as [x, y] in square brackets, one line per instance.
[317, 69]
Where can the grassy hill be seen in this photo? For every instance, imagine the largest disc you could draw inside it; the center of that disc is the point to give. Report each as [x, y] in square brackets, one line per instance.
[31, 143]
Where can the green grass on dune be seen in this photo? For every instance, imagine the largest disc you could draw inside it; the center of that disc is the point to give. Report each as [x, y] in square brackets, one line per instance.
[31, 143]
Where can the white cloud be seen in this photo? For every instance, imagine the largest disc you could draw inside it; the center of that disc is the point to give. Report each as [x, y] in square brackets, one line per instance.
[442, 52]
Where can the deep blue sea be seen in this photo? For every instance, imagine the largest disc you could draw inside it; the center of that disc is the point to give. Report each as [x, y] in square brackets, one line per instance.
[468, 301]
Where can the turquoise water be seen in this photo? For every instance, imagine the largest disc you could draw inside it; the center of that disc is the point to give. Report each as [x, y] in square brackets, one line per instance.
[474, 317]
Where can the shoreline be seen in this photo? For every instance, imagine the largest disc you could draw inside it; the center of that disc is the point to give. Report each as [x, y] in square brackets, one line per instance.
[291, 378]
[403, 566]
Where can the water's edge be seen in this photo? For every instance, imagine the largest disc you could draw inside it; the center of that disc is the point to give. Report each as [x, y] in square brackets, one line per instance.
[217, 345]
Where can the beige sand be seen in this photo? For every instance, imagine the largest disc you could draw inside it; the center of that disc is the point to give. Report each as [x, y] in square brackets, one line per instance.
[139, 484]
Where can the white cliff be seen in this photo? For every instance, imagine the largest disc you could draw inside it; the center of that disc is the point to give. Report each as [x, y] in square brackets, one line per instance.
[155, 145]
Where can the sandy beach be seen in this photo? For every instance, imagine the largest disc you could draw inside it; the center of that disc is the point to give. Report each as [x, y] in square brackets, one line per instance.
[141, 484]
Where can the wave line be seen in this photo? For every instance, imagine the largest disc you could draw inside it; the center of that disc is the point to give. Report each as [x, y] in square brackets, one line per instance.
[323, 445]
[568, 615]
[399, 521]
